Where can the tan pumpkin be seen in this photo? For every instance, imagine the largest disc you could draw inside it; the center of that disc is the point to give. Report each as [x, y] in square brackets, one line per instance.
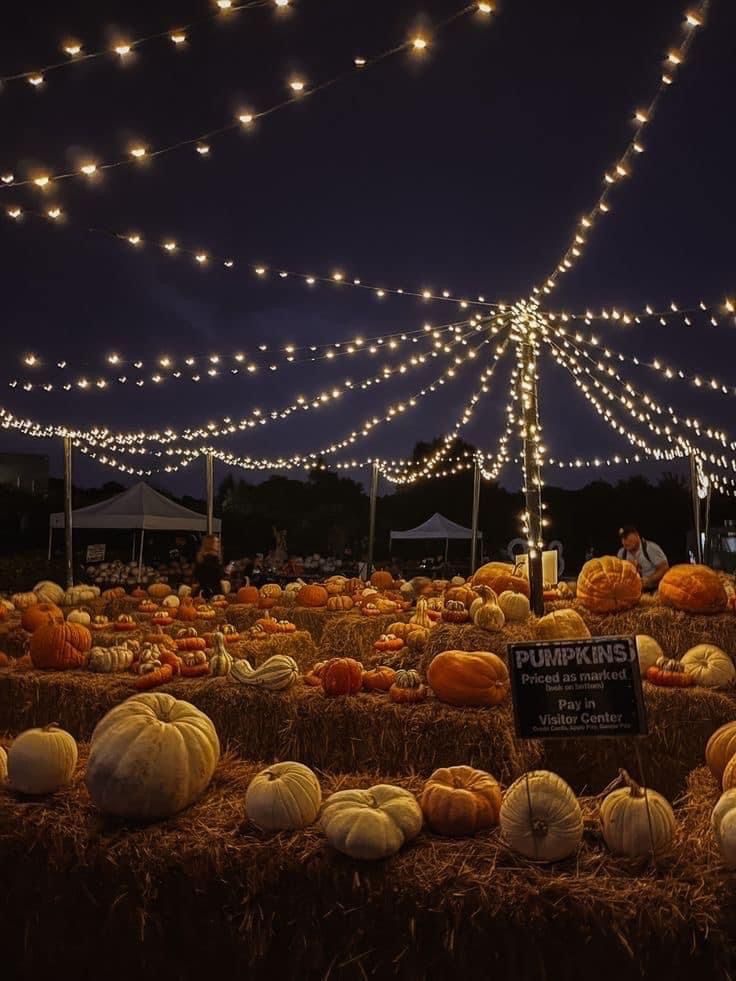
[105, 660]
[21, 601]
[421, 616]
[336, 585]
[720, 748]
[276, 674]
[710, 666]
[460, 800]
[151, 757]
[562, 625]
[79, 616]
[49, 592]
[171, 602]
[42, 761]
[514, 606]
[158, 590]
[608, 585]
[284, 797]
[271, 591]
[723, 822]
[649, 652]
[635, 821]
[340, 602]
[540, 817]
[371, 824]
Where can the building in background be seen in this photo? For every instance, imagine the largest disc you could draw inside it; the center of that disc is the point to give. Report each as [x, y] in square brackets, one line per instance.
[27, 472]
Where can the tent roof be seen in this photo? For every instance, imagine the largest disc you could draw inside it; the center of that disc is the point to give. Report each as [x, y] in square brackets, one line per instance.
[138, 507]
[438, 526]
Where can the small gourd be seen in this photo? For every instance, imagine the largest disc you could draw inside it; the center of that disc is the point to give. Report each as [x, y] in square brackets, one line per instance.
[669, 673]
[276, 674]
[221, 661]
[421, 616]
[489, 615]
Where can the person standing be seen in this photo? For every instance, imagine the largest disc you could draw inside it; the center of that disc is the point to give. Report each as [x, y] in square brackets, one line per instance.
[208, 571]
[650, 561]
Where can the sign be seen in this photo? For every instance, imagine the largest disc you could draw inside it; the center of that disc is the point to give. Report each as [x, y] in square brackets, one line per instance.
[95, 553]
[563, 688]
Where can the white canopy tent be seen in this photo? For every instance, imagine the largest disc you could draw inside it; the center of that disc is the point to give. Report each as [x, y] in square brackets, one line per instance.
[139, 507]
[436, 527]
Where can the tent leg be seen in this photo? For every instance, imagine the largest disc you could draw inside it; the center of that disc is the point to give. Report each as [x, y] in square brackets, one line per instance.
[68, 511]
[474, 522]
[132, 550]
[447, 549]
[140, 556]
[51, 540]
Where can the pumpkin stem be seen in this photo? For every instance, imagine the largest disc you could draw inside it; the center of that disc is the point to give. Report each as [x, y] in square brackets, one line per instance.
[629, 782]
[49, 726]
[540, 829]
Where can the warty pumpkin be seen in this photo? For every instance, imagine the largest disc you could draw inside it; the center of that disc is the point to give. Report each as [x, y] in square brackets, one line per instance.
[60, 646]
[38, 614]
[371, 824]
[720, 748]
[284, 797]
[635, 821]
[562, 625]
[150, 757]
[710, 666]
[693, 588]
[540, 817]
[608, 585]
[461, 678]
[342, 676]
[460, 800]
[41, 761]
[276, 674]
[723, 822]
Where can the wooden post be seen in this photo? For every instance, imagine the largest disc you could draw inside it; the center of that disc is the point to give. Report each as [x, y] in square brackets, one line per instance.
[372, 517]
[210, 481]
[474, 521]
[68, 543]
[528, 399]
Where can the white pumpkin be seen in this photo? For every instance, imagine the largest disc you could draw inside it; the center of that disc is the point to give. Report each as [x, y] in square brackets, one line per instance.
[104, 660]
[457, 581]
[184, 591]
[77, 595]
[710, 666]
[49, 592]
[79, 616]
[515, 606]
[649, 652]
[41, 761]
[541, 818]
[170, 602]
[723, 822]
[151, 757]
[635, 821]
[284, 797]
[3, 765]
[276, 674]
[371, 824]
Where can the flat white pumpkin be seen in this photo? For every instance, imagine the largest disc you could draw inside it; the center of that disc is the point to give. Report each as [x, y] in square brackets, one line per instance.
[541, 818]
[284, 797]
[41, 761]
[710, 666]
[151, 757]
[371, 824]
[649, 652]
[723, 822]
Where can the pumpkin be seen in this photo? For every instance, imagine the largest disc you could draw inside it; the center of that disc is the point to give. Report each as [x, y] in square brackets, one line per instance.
[371, 824]
[312, 596]
[100, 622]
[460, 800]
[693, 588]
[49, 592]
[608, 585]
[417, 639]
[649, 652]
[514, 606]
[271, 591]
[421, 616]
[379, 679]
[187, 611]
[370, 610]
[248, 596]
[221, 661]
[723, 822]
[38, 614]
[151, 757]
[117, 592]
[562, 625]
[669, 673]
[461, 594]
[78, 595]
[139, 593]
[314, 676]
[455, 612]
[401, 630]
[710, 666]
[382, 581]
[107, 659]
[41, 761]
[21, 601]
[720, 748]
[336, 585]
[266, 624]
[729, 775]
[147, 606]
[162, 618]
[191, 658]
[460, 678]
[340, 601]
[219, 602]
[5, 660]
[285, 627]
[159, 638]
[635, 821]
[158, 590]
[342, 676]
[171, 602]
[3, 766]
[189, 643]
[499, 576]
[205, 612]
[540, 817]
[283, 797]
[79, 616]
[388, 642]
[276, 674]
[125, 622]
[407, 687]
[488, 614]
[59, 646]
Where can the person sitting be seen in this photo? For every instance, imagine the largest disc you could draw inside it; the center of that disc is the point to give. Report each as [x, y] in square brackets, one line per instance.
[208, 571]
[650, 561]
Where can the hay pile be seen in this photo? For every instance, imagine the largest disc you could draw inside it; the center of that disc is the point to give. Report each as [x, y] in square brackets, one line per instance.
[242, 617]
[349, 733]
[80, 889]
[298, 645]
[468, 637]
[353, 635]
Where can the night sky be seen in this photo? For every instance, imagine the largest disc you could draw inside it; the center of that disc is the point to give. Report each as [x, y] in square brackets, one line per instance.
[465, 168]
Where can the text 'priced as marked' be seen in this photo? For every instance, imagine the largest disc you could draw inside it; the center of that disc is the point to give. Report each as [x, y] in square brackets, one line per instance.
[565, 688]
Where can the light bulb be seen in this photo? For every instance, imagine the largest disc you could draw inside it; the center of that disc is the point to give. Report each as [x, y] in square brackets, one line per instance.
[693, 19]
[72, 48]
[122, 49]
[35, 80]
[296, 84]
[138, 152]
[170, 246]
[42, 181]
[7, 178]
[485, 8]
[246, 118]
[419, 43]
[203, 149]
[134, 239]
[359, 62]
[89, 169]
[178, 37]
[54, 213]
[224, 4]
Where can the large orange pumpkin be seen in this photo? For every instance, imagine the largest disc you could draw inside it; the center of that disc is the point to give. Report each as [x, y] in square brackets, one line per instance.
[382, 580]
[60, 646]
[693, 588]
[499, 576]
[608, 584]
[36, 616]
[248, 595]
[342, 676]
[312, 596]
[459, 800]
[460, 678]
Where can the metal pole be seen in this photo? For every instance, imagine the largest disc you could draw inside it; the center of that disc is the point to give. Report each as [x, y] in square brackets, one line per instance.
[474, 523]
[372, 517]
[528, 399]
[696, 506]
[210, 480]
[51, 538]
[707, 550]
[68, 511]
[140, 557]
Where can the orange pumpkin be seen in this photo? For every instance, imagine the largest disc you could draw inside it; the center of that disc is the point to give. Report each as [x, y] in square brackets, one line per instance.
[314, 677]
[354, 586]
[36, 616]
[407, 687]
[286, 627]
[340, 602]
[388, 642]
[248, 595]
[460, 800]
[139, 593]
[379, 679]
[461, 594]
[125, 622]
[152, 679]
[190, 643]
[162, 618]
[460, 678]
[342, 676]
[608, 585]
[111, 594]
[159, 589]
[271, 591]
[382, 580]
[147, 606]
[455, 612]
[500, 577]
[60, 646]
[267, 624]
[312, 596]
[186, 611]
[693, 588]
[5, 661]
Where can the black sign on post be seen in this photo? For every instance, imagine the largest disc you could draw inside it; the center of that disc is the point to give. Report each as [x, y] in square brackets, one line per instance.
[564, 688]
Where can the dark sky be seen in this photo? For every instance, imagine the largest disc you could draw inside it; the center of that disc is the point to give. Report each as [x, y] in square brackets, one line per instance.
[466, 168]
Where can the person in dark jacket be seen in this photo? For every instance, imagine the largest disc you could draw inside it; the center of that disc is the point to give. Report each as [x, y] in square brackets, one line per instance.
[208, 570]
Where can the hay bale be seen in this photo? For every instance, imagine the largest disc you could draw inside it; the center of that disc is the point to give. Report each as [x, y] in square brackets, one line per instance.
[286, 905]
[298, 645]
[468, 637]
[353, 635]
[241, 616]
